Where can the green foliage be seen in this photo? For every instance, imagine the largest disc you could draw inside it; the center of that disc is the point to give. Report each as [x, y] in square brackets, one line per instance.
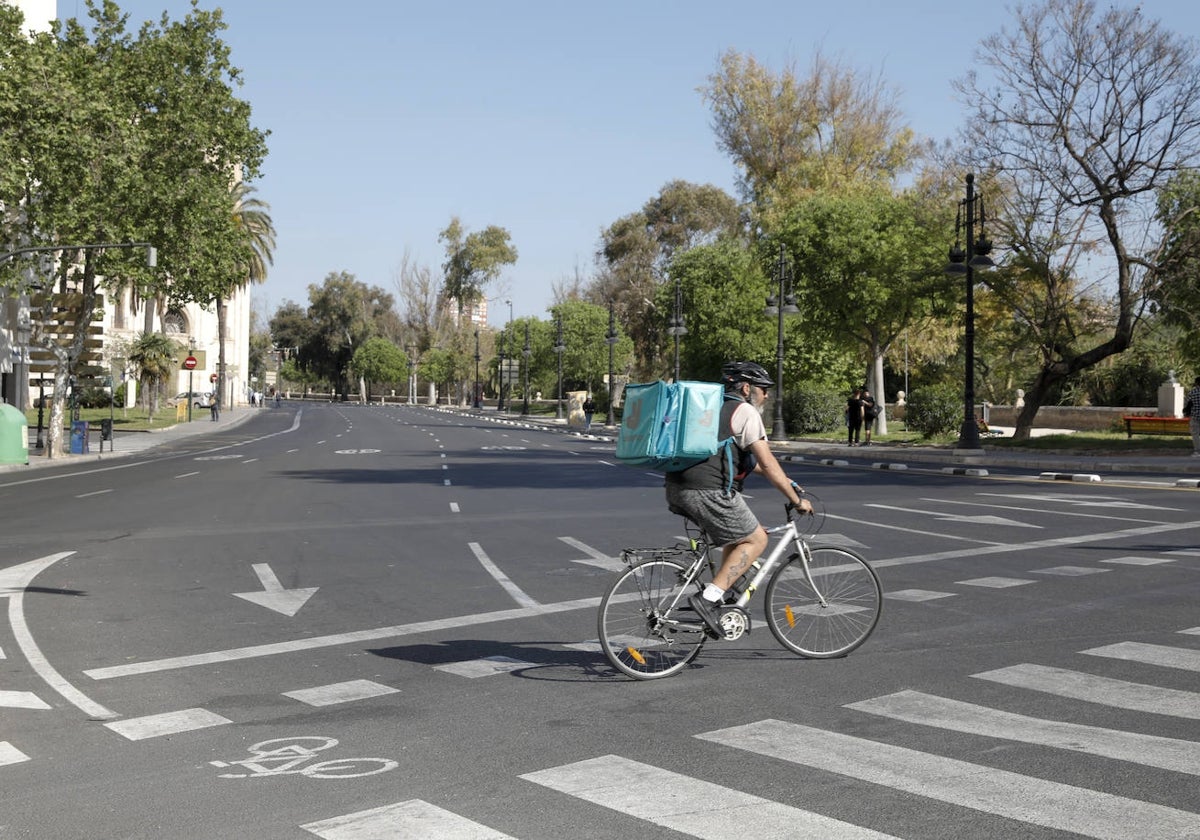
[380, 362]
[812, 407]
[438, 365]
[474, 259]
[343, 314]
[935, 410]
[154, 357]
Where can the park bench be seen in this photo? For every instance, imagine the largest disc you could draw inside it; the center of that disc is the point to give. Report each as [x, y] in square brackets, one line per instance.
[1148, 424]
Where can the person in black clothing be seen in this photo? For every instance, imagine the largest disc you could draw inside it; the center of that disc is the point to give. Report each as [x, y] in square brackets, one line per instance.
[589, 408]
[870, 412]
[854, 417]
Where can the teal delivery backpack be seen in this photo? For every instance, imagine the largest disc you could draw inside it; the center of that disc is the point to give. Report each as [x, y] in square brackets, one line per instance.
[669, 426]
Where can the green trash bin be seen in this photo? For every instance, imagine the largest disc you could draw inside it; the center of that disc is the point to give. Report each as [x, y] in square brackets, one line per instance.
[14, 436]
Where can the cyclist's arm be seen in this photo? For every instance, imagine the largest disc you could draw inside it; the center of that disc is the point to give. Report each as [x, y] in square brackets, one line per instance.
[768, 466]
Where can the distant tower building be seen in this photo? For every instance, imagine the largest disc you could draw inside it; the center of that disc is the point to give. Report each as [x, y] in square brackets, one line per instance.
[473, 314]
[38, 13]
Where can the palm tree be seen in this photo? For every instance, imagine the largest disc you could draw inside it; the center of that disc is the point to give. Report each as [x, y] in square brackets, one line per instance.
[253, 222]
[155, 357]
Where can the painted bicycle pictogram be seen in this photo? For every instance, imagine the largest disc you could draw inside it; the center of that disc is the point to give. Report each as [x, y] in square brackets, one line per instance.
[292, 756]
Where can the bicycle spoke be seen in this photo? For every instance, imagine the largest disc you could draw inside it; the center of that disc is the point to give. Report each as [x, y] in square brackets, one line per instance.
[639, 633]
[835, 617]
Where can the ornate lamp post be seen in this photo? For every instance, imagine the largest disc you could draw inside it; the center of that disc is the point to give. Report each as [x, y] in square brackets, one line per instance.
[780, 304]
[610, 338]
[526, 352]
[559, 348]
[412, 372]
[965, 262]
[676, 326]
[475, 392]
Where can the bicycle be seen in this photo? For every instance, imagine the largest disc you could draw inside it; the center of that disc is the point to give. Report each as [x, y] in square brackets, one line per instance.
[821, 601]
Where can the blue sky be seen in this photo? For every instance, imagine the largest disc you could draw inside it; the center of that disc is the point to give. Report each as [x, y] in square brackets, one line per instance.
[550, 119]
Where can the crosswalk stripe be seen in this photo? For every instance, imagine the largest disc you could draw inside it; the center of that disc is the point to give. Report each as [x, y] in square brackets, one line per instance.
[1050, 804]
[1105, 691]
[930, 710]
[22, 700]
[167, 723]
[1186, 659]
[343, 692]
[485, 667]
[690, 806]
[10, 754]
[410, 820]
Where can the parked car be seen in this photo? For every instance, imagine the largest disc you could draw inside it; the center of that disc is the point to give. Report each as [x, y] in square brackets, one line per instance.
[197, 399]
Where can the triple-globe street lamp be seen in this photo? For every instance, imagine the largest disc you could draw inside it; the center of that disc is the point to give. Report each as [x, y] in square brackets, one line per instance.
[676, 326]
[610, 338]
[965, 262]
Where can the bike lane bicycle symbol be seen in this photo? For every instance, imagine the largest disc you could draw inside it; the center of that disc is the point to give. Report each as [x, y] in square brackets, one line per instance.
[292, 756]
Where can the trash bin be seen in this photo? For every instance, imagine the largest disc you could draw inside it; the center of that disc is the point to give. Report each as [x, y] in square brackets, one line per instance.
[79, 437]
[14, 436]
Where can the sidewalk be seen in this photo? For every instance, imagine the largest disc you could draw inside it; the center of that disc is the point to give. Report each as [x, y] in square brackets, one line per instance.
[125, 444]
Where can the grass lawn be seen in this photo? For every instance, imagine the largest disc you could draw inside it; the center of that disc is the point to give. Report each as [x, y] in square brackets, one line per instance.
[127, 420]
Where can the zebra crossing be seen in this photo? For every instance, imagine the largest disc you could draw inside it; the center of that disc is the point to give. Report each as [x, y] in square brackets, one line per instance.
[704, 808]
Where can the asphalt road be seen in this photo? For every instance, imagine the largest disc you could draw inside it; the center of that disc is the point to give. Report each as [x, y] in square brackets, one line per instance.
[365, 622]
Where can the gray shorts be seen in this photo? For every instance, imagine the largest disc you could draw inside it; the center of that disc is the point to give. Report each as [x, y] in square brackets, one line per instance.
[725, 518]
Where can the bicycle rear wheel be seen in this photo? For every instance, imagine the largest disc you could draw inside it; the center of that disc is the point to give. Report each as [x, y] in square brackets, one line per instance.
[640, 631]
[850, 610]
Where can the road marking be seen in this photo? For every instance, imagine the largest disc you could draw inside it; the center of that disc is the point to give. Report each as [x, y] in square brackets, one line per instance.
[274, 596]
[966, 552]
[511, 588]
[594, 557]
[1106, 502]
[1104, 691]
[22, 700]
[1012, 795]
[485, 667]
[10, 754]
[334, 640]
[689, 806]
[343, 692]
[1185, 659]
[188, 475]
[167, 723]
[13, 582]
[93, 493]
[994, 582]
[917, 595]
[1007, 547]
[1069, 571]
[411, 820]
[454, 507]
[930, 710]
[1138, 561]
[956, 517]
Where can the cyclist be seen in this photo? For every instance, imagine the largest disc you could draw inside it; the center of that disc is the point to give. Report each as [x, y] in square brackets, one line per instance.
[713, 500]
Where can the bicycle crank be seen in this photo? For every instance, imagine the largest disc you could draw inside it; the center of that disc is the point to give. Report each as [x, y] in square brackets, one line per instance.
[735, 622]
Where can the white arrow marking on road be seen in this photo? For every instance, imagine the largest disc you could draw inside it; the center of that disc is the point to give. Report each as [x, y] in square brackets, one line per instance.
[274, 596]
[594, 556]
[953, 517]
[1081, 501]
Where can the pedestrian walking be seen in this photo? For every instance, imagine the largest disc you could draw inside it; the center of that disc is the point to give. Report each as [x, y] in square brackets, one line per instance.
[1191, 408]
[854, 417]
[589, 408]
[214, 405]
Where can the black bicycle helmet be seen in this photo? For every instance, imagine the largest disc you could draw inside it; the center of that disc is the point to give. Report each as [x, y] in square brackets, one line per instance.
[752, 372]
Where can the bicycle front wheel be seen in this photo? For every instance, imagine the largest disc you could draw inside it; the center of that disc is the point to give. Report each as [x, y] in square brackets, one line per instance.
[641, 632]
[835, 617]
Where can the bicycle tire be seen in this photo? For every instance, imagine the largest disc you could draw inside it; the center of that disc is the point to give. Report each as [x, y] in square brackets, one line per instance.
[853, 603]
[639, 639]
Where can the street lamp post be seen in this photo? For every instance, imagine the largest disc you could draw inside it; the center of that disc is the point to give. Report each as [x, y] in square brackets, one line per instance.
[965, 262]
[610, 338]
[412, 372]
[559, 348]
[780, 304]
[676, 326]
[526, 352]
[475, 392]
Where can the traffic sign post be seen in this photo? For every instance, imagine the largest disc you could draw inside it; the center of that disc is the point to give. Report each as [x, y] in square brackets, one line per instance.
[190, 365]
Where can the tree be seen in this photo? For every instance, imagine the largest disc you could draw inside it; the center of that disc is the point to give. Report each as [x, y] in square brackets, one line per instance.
[1086, 115]
[1178, 295]
[866, 271]
[343, 313]
[155, 357]
[832, 130]
[473, 260]
[379, 361]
